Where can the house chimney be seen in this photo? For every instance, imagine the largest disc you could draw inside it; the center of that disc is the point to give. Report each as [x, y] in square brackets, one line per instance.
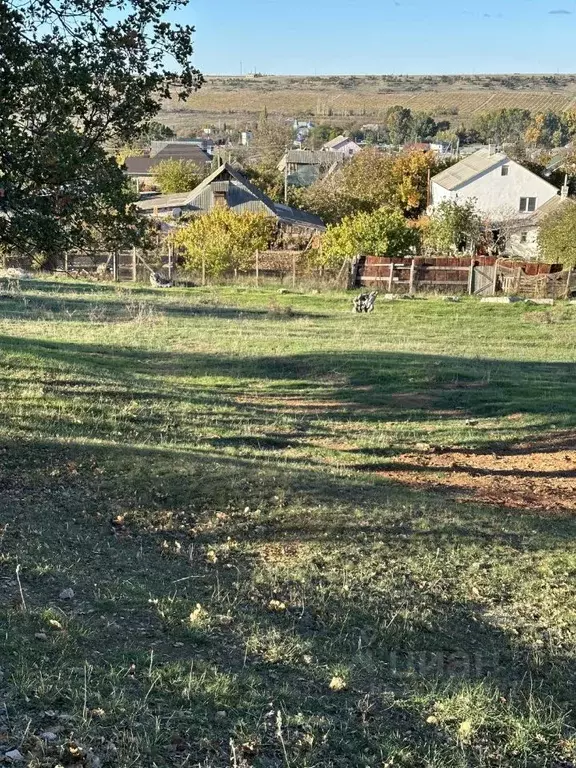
[565, 189]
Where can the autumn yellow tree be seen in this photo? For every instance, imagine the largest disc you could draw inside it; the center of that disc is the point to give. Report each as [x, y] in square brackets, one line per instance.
[372, 180]
[409, 180]
[173, 176]
[222, 240]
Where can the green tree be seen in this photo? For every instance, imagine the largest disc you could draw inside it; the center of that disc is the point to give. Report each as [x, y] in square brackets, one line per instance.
[268, 180]
[372, 180]
[399, 125]
[503, 125]
[174, 176]
[546, 130]
[156, 131]
[381, 233]
[77, 76]
[423, 126]
[320, 134]
[453, 228]
[223, 240]
[557, 236]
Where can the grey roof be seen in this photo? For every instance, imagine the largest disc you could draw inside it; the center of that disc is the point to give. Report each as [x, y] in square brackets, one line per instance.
[150, 202]
[311, 157]
[178, 146]
[297, 217]
[559, 157]
[335, 142]
[241, 196]
[144, 166]
[137, 165]
[549, 207]
[469, 168]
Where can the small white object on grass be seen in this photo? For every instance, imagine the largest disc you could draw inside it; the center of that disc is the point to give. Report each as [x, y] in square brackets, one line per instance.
[67, 594]
[499, 300]
[14, 755]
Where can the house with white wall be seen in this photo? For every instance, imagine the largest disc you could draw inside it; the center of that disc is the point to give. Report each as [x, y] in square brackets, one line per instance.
[342, 144]
[505, 193]
[523, 237]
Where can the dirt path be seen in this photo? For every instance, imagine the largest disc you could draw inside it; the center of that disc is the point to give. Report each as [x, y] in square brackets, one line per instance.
[537, 475]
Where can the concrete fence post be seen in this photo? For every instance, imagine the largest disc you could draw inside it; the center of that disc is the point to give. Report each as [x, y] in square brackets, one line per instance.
[471, 277]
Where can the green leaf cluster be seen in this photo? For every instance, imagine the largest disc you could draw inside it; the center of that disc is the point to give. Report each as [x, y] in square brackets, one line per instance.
[557, 236]
[173, 176]
[222, 240]
[454, 227]
[385, 232]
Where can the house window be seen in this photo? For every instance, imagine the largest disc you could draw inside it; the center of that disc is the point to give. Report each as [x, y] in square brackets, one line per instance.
[523, 237]
[527, 204]
[505, 170]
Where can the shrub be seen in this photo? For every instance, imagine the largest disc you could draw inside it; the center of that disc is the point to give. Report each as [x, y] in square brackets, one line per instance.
[223, 240]
[173, 176]
[557, 236]
[382, 233]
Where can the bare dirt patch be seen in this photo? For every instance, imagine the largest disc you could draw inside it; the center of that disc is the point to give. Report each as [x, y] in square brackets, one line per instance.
[538, 475]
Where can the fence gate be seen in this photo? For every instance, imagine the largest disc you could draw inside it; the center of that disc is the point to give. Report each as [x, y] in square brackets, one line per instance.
[484, 279]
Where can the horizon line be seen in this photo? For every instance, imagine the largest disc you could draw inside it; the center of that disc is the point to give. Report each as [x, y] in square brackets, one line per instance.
[391, 74]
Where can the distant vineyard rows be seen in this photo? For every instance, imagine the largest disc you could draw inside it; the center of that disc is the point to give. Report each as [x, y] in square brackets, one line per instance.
[456, 105]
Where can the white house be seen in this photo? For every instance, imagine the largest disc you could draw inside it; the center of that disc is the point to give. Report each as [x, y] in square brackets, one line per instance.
[508, 195]
[501, 188]
[523, 237]
[342, 144]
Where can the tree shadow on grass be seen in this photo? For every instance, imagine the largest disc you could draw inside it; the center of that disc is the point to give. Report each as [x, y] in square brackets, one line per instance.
[358, 387]
[128, 307]
[362, 591]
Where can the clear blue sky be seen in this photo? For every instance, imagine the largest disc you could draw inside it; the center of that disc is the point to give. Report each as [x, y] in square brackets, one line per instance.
[383, 36]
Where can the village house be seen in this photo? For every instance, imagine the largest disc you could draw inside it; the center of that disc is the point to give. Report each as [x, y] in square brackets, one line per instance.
[305, 166]
[141, 168]
[522, 240]
[512, 199]
[343, 145]
[226, 187]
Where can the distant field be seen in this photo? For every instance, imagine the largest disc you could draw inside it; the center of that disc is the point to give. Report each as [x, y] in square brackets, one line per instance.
[359, 99]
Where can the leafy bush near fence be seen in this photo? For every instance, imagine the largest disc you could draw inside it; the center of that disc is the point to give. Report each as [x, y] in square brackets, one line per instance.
[557, 236]
[222, 240]
[382, 233]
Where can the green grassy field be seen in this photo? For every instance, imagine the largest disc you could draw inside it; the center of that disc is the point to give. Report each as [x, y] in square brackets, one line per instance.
[295, 536]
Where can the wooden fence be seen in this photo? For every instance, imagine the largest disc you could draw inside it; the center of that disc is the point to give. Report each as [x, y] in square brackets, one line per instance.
[480, 275]
[131, 265]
